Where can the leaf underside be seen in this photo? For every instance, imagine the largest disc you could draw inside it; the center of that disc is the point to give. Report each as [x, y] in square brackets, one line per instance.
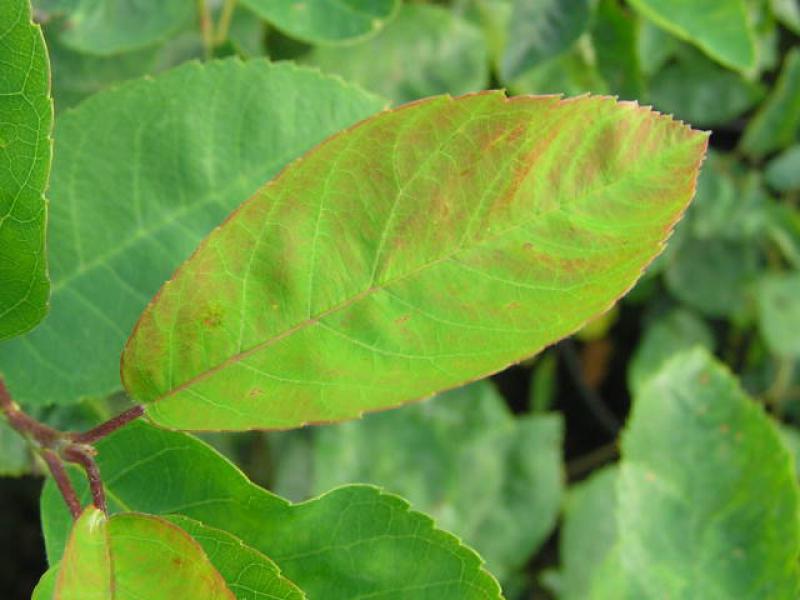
[448, 238]
[25, 150]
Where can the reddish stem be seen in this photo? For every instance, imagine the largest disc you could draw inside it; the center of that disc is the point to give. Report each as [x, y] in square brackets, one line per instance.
[84, 456]
[110, 426]
[44, 435]
[59, 473]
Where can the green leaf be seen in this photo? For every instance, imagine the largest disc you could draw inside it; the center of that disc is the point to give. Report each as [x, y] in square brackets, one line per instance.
[668, 335]
[142, 172]
[25, 151]
[791, 439]
[541, 30]
[700, 92]
[614, 35]
[571, 74]
[713, 275]
[783, 171]
[130, 556]
[654, 46]
[718, 27]
[496, 226]
[15, 456]
[779, 313]
[787, 12]
[708, 500]
[777, 122]
[326, 21]
[494, 480]
[249, 574]
[351, 542]
[425, 51]
[45, 589]
[116, 26]
[588, 534]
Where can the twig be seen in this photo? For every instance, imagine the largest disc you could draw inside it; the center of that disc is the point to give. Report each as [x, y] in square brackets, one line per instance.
[224, 23]
[593, 401]
[61, 478]
[84, 456]
[582, 464]
[205, 26]
[110, 426]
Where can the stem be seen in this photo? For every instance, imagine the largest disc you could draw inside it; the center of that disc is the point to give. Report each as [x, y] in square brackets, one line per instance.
[27, 426]
[205, 26]
[84, 456]
[224, 23]
[61, 478]
[593, 401]
[110, 426]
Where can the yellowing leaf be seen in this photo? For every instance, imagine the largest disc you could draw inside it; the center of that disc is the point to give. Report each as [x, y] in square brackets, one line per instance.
[428, 246]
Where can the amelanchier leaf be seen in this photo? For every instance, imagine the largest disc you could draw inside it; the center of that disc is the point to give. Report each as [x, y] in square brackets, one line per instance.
[326, 21]
[142, 172]
[494, 480]
[783, 171]
[537, 31]
[426, 50]
[249, 574]
[116, 26]
[614, 34]
[776, 124]
[446, 239]
[25, 151]
[708, 500]
[779, 313]
[132, 556]
[352, 542]
[718, 27]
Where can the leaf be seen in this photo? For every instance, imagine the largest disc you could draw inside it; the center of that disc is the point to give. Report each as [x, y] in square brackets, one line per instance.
[777, 122]
[783, 171]
[249, 574]
[25, 151]
[47, 584]
[541, 30]
[614, 38]
[779, 313]
[588, 534]
[654, 46]
[495, 227]
[718, 27]
[571, 74]
[131, 556]
[350, 542]
[708, 501]
[142, 173]
[702, 93]
[426, 50]
[114, 26]
[326, 21]
[787, 12]
[667, 336]
[494, 480]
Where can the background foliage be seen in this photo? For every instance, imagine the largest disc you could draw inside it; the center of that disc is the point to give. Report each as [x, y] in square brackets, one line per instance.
[529, 468]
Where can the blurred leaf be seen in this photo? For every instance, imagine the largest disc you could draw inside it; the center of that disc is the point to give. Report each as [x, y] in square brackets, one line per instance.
[775, 125]
[598, 327]
[141, 173]
[152, 559]
[783, 171]
[655, 46]
[783, 227]
[26, 118]
[787, 12]
[247, 33]
[425, 51]
[15, 456]
[542, 392]
[665, 337]
[700, 92]
[478, 250]
[492, 17]
[713, 275]
[570, 74]
[588, 533]
[614, 36]
[493, 480]
[249, 574]
[779, 313]
[708, 500]
[352, 542]
[541, 30]
[718, 27]
[326, 21]
[116, 26]
[292, 463]
[791, 439]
